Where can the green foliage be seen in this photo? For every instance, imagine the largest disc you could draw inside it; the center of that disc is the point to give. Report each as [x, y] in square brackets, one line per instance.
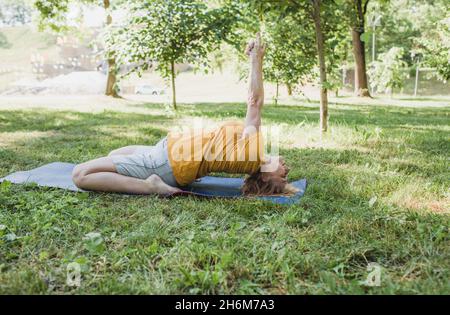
[166, 32]
[354, 12]
[389, 71]
[406, 24]
[290, 53]
[15, 12]
[338, 43]
[4, 43]
[289, 31]
[52, 14]
[93, 242]
[395, 29]
[436, 49]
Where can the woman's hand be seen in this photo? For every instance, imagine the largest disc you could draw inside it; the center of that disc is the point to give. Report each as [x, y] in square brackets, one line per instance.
[256, 48]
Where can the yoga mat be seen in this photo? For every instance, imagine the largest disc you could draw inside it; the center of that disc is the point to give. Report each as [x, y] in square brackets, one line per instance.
[59, 175]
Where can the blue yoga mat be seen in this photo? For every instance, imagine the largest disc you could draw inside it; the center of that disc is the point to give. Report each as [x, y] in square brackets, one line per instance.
[59, 175]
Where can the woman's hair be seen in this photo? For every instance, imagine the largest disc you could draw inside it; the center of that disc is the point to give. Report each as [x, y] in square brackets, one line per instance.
[255, 185]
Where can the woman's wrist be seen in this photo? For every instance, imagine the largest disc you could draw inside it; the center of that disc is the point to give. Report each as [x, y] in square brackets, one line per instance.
[256, 63]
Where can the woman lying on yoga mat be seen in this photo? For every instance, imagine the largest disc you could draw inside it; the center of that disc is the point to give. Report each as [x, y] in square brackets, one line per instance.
[180, 158]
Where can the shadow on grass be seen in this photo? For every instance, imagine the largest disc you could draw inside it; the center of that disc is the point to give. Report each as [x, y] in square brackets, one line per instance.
[422, 98]
[73, 136]
[66, 121]
[382, 116]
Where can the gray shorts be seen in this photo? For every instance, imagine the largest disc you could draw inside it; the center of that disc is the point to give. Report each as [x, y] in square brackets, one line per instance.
[146, 161]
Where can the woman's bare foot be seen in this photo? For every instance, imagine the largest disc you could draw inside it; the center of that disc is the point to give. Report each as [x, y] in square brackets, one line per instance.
[157, 186]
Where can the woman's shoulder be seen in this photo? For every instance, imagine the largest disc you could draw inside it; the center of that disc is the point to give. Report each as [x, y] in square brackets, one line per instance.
[236, 123]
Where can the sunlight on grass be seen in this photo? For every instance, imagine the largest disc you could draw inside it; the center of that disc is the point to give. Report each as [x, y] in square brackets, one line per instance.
[416, 195]
[12, 139]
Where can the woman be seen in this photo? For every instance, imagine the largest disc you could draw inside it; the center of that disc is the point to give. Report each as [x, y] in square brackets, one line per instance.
[181, 158]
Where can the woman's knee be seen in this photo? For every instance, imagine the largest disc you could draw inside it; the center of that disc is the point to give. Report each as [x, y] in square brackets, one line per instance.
[78, 173]
[81, 171]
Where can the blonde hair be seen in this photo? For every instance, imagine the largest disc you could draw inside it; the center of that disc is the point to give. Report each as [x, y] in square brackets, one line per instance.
[255, 185]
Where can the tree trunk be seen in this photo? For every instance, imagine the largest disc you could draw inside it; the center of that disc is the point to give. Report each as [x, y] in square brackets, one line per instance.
[172, 72]
[362, 87]
[277, 93]
[416, 82]
[322, 67]
[289, 89]
[111, 80]
[361, 83]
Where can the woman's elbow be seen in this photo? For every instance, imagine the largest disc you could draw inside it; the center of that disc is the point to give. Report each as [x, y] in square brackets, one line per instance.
[255, 101]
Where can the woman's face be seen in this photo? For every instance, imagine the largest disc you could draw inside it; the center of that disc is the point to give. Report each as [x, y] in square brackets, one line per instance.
[278, 176]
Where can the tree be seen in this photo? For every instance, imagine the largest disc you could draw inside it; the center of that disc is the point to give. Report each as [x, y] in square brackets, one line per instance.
[326, 16]
[321, 22]
[404, 23]
[419, 27]
[389, 71]
[290, 53]
[435, 48]
[111, 87]
[358, 9]
[53, 15]
[167, 32]
[396, 25]
[15, 12]
[320, 41]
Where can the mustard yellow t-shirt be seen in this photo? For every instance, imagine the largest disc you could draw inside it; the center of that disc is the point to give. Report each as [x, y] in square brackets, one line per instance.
[196, 153]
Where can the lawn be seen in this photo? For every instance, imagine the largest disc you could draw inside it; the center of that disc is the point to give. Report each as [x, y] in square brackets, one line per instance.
[378, 192]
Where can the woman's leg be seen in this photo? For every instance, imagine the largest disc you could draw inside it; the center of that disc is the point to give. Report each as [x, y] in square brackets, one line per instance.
[101, 175]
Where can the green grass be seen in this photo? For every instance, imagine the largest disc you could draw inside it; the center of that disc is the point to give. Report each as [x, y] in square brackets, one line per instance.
[395, 157]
